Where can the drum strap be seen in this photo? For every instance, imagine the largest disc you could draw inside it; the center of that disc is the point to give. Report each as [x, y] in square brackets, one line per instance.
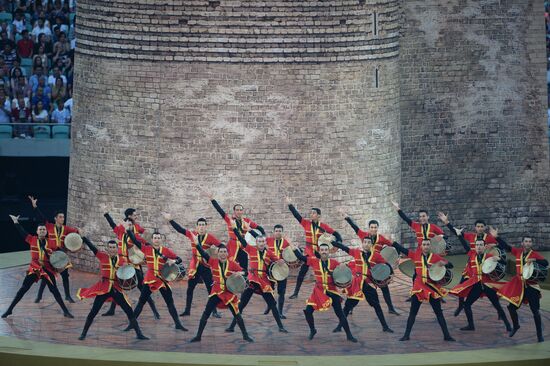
[223, 267]
[278, 245]
[41, 250]
[314, 233]
[479, 259]
[58, 232]
[323, 266]
[426, 231]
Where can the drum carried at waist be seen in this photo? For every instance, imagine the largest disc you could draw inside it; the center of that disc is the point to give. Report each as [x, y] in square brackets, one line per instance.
[492, 267]
[126, 277]
[534, 272]
[173, 272]
[59, 260]
[390, 255]
[73, 242]
[278, 271]
[251, 239]
[288, 255]
[135, 255]
[380, 274]
[342, 276]
[440, 274]
[236, 283]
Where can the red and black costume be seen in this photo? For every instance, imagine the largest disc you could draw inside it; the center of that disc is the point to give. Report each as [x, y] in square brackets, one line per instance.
[232, 245]
[107, 289]
[197, 267]
[313, 230]
[424, 289]
[378, 243]
[277, 246]
[39, 268]
[56, 241]
[156, 259]
[521, 290]
[325, 293]
[477, 284]
[258, 263]
[125, 243]
[360, 288]
[220, 296]
[421, 231]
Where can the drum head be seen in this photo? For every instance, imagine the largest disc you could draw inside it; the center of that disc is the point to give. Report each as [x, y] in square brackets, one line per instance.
[407, 268]
[135, 255]
[169, 272]
[380, 272]
[250, 239]
[437, 272]
[489, 265]
[236, 283]
[327, 239]
[342, 275]
[390, 255]
[528, 270]
[279, 271]
[126, 272]
[73, 242]
[289, 256]
[59, 259]
[438, 245]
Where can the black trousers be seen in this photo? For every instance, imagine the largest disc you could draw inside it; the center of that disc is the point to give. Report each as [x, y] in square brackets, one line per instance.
[166, 293]
[28, 281]
[533, 296]
[150, 301]
[372, 299]
[66, 286]
[203, 273]
[281, 291]
[477, 290]
[436, 307]
[300, 279]
[242, 259]
[268, 298]
[387, 297]
[336, 306]
[209, 309]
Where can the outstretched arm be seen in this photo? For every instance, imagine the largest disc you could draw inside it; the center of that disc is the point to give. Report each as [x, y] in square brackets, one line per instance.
[460, 235]
[109, 220]
[339, 245]
[218, 208]
[90, 245]
[351, 223]
[177, 227]
[400, 248]
[295, 212]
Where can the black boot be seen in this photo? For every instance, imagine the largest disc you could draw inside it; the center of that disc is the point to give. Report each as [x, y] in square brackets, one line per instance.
[18, 296]
[311, 323]
[504, 319]
[515, 320]
[151, 303]
[216, 314]
[382, 319]
[277, 317]
[40, 291]
[280, 305]
[111, 310]
[135, 325]
[197, 338]
[538, 325]
[240, 322]
[469, 317]
[460, 306]
[231, 327]
[299, 281]
[89, 320]
[443, 325]
[67, 287]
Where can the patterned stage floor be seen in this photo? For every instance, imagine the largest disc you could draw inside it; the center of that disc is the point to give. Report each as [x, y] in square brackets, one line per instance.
[44, 322]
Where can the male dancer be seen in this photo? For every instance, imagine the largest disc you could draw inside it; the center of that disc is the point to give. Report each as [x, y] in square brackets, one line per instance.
[378, 243]
[364, 259]
[222, 267]
[313, 229]
[107, 289]
[325, 294]
[125, 243]
[521, 290]
[277, 243]
[56, 237]
[259, 258]
[424, 289]
[197, 267]
[39, 268]
[156, 257]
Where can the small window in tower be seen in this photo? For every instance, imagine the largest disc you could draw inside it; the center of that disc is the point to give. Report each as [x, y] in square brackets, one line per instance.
[375, 23]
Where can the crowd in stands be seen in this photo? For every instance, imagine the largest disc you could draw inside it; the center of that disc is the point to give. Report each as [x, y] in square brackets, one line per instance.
[37, 42]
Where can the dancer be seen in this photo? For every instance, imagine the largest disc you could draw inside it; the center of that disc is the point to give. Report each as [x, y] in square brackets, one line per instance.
[277, 243]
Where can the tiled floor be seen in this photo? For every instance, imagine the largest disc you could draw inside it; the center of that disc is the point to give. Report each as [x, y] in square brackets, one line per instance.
[44, 322]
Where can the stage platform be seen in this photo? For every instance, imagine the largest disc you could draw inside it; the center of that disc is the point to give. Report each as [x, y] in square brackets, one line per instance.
[38, 334]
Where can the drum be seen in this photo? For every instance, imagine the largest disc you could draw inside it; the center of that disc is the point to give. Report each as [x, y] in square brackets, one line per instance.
[440, 274]
[73, 242]
[390, 255]
[327, 239]
[342, 276]
[250, 239]
[534, 272]
[381, 275]
[438, 245]
[236, 283]
[212, 251]
[59, 260]
[278, 271]
[126, 277]
[407, 268]
[288, 255]
[173, 272]
[135, 255]
[493, 268]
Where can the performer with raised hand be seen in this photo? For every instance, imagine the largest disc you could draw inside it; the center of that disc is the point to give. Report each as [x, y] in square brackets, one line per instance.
[107, 289]
[39, 267]
[313, 229]
[198, 270]
[378, 243]
[520, 290]
[424, 288]
[56, 237]
[277, 243]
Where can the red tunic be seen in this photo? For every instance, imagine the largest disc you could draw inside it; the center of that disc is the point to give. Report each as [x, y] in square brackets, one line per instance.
[108, 278]
[361, 272]
[423, 286]
[471, 238]
[474, 274]
[427, 232]
[277, 246]
[56, 240]
[233, 244]
[312, 235]
[39, 258]
[323, 284]
[257, 267]
[514, 290]
[207, 241]
[155, 264]
[218, 287]
[124, 241]
[378, 241]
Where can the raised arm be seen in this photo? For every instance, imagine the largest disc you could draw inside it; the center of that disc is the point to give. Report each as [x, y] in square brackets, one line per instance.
[218, 208]
[135, 240]
[177, 227]
[109, 220]
[90, 245]
[240, 237]
[351, 223]
[295, 212]
[339, 245]
[400, 248]
[401, 213]
[39, 215]
[203, 253]
[460, 236]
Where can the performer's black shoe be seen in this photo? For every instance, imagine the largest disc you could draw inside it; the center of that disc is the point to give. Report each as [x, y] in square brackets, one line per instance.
[266, 311]
[195, 339]
[69, 299]
[387, 330]
[283, 330]
[459, 310]
[283, 316]
[393, 311]
[216, 314]
[468, 327]
[37, 300]
[82, 337]
[449, 339]
[352, 339]
[108, 313]
[68, 315]
[312, 334]
[404, 338]
[540, 339]
[141, 336]
[188, 313]
[230, 329]
[181, 327]
[6, 314]
[443, 301]
[128, 328]
[156, 315]
[513, 331]
[408, 300]
[248, 338]
[293, 296]
[337, 329]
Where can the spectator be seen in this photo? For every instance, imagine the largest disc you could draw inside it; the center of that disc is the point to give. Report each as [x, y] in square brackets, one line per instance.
[40, 97]
[5, 110]
[39, 29]
[68, 70]
[43, 83]
[4, 81]
[40, 114]
[38, 72]
[23, 6]
[25, 46]
[16, 65]
[44, 41]
[40, 58]
[21, 109]
[69, 102]
[4, 39]
[19, 23]
[61, 115]
[20, 85]
[59, 91]
[9, 55]
[56, 73]
[5, 27]
[60, 21]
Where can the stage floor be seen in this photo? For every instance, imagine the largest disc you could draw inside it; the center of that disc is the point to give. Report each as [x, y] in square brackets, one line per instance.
[44, 322]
